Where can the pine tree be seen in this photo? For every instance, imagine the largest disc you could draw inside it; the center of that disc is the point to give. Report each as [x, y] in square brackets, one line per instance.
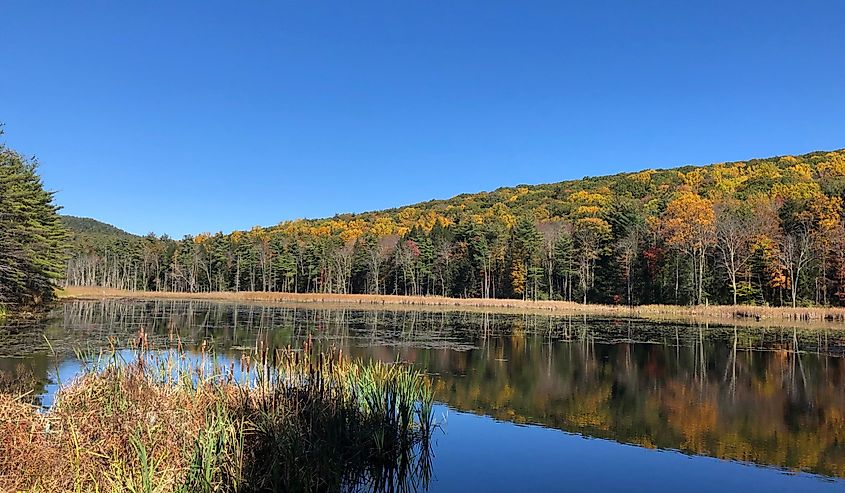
[525, 247]
[32, 237]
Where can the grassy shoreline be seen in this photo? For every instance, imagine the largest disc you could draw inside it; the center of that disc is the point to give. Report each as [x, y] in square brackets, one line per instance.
[741, 314]
[280, 420]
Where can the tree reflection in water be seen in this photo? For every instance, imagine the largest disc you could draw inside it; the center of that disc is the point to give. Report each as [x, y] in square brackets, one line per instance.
[770, 396]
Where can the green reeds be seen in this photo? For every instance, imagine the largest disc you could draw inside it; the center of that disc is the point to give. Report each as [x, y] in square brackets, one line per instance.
[277, 420]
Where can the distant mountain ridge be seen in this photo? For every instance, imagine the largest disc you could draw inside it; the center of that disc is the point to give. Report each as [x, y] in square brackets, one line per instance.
[87, 225]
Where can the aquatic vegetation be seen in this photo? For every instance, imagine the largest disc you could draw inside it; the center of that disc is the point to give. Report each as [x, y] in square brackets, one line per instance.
[278, 420]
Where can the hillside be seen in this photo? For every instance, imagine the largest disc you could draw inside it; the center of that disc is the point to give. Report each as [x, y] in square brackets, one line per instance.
[740, 179]
[86, 225]
[765, 231]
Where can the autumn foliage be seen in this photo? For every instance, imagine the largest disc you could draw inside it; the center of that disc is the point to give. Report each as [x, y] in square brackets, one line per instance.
[765, 231]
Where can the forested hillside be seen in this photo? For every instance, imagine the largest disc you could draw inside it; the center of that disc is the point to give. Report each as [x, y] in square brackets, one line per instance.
[86, 226]
[765, 231]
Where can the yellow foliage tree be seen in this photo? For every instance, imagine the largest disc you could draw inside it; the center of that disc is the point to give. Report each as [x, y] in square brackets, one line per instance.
[833, 165]
[689, 224]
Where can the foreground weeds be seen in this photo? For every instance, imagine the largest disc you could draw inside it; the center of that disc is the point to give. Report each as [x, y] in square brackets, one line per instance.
[278, 420]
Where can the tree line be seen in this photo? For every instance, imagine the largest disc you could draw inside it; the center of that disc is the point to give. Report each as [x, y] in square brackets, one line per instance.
[766, 231]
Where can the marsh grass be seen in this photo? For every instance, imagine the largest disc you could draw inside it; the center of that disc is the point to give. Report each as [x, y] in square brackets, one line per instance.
[743, 314]
[277, 420]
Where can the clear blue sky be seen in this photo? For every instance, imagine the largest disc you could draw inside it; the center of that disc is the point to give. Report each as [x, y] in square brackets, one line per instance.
[181, 117]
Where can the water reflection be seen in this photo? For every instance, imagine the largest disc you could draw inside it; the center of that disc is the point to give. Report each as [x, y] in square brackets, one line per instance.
[767, 396]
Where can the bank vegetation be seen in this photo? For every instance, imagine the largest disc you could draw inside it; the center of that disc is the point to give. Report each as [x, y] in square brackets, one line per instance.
[277, 420]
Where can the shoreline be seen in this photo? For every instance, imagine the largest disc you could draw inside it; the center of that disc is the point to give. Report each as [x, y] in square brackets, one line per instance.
[761, 316]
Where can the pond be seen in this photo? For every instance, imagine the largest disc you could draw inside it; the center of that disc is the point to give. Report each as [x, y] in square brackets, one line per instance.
[537, 402]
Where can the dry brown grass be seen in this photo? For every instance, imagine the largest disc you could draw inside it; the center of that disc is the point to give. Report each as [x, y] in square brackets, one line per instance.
[84, 444]
[293, 422]
[741, 314]
[24, 447]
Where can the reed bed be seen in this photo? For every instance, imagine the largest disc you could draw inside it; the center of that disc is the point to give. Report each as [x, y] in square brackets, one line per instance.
[704, 312]
[277, 420]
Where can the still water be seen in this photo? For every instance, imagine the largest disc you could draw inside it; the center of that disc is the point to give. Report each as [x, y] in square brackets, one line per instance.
[535, 402]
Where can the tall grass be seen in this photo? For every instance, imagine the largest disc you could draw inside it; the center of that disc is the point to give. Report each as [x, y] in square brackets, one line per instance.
[277, 420]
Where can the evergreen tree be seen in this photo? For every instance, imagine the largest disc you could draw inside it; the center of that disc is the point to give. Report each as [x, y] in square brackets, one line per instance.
[524, 250]
[32, 237]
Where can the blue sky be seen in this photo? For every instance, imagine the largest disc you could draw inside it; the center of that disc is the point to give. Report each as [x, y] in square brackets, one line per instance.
[184, 117]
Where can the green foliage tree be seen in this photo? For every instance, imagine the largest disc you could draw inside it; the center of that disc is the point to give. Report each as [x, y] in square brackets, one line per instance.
[524, 251]
[32, 236]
